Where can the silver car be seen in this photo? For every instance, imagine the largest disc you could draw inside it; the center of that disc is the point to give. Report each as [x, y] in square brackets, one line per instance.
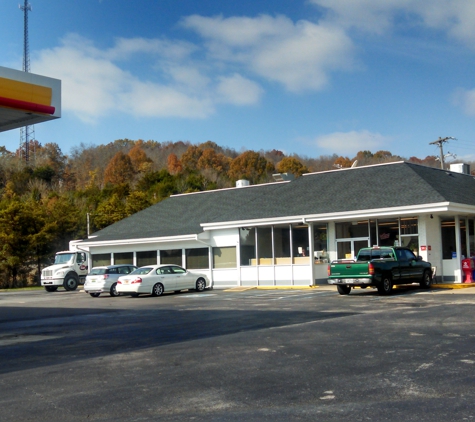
[157, 279]
[104, 279]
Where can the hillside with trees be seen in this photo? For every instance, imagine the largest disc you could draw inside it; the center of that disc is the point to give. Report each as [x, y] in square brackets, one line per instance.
[46, 203]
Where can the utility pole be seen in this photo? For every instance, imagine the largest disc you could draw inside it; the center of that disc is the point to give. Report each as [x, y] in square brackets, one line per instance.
[27, 133]
[440, 142]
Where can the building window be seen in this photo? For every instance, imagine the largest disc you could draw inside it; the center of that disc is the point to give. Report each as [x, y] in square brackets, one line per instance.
[320, 243]
[124, 258]
[147, 258]
[264, 245]
[350, 229]
[388, 232]
[300, 244]
[101, 259]
[282, 245]
[224, 257]
[247, 246]
[197, 258]
[171, 256]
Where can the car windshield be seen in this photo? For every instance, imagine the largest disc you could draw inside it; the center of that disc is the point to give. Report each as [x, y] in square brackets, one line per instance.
[142, 271]
[63, 258]
[98, 271]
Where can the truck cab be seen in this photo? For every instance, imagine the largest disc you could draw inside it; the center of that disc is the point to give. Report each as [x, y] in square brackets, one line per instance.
[69, 270]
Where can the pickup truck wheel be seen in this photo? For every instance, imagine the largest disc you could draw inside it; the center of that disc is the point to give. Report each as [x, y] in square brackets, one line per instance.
[344, 289]
[51, 288]
[426, 280]
[71, 282]
[386, 285]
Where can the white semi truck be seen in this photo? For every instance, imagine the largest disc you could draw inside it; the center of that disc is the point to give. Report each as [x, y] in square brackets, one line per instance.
[69, 269]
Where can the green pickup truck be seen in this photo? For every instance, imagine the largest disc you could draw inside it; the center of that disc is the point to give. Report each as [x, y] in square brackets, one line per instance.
[380, 267]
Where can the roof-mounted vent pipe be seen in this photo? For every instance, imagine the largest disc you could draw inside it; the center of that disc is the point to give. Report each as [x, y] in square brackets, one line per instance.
[242, 183]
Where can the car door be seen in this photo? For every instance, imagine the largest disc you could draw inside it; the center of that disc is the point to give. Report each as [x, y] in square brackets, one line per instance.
[416, 267]
[184, 279]
[167, 277]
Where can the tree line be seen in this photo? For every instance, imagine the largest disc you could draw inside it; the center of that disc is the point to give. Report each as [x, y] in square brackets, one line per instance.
[46, 202]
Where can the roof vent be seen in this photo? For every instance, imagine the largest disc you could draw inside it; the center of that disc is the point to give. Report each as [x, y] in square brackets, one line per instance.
[460, 168]
[281, 177]
[242, 183]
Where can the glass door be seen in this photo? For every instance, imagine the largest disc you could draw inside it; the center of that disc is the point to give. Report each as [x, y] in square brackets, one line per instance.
[349, 248]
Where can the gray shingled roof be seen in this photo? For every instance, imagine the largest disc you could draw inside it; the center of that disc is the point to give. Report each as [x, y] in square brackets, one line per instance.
[361, 188]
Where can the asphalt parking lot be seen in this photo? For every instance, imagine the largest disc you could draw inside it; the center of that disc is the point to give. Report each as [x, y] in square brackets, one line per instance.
[240, 355]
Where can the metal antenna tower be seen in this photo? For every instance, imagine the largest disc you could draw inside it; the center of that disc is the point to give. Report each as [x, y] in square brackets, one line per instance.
[27, 133]
[440, 143]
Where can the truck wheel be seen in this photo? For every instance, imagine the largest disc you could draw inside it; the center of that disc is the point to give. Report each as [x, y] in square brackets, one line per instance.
[386, 285]
[426, 280]
[344, 289]
[51, 288]
[71, 282]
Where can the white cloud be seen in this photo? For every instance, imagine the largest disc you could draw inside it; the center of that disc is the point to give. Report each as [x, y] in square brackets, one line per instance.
[238, 90]
[94, 86]
[298, 55]
[465, 99]
[456, 17]
[349, 143]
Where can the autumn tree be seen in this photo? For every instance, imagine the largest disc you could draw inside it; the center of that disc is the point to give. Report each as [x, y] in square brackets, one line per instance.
[174, 164]
[119, 170]
[250, 165]
[139, 159]
[291, 165]
[189, 159]
[342, 162]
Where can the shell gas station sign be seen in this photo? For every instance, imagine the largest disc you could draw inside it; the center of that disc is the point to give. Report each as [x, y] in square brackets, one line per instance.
[27, 99]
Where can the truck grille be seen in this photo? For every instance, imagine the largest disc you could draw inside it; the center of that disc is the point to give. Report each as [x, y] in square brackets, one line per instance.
[47, 273]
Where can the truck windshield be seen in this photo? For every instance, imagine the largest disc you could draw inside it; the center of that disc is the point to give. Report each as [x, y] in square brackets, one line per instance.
[63, 258]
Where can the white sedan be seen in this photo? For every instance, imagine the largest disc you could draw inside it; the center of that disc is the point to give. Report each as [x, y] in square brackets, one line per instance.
[157, 279]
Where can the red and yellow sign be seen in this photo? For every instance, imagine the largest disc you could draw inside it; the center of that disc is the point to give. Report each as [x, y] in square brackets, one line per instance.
[25, 96]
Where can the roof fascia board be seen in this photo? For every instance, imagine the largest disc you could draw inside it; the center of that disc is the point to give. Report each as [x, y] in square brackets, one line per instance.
[378, 212]
[139, 241]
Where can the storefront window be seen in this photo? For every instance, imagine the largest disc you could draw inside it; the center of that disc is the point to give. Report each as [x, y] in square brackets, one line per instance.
[320, 243]
[282, 245]
[264, 245]
[101, 259]
[247, 246]
[224, 257]
[300, 244]
[388, 232]
[146, 258]
[171, 256]
[197, 258]
[448, 238]
[351, 229]
[124, 258]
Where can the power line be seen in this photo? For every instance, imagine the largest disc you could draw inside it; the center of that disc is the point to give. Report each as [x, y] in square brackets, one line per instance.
[440, 142]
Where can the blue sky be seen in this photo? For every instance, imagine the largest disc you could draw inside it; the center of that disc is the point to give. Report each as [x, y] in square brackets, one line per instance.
[311, 77]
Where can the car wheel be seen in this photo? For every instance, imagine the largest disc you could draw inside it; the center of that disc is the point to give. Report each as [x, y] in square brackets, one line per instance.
[386, 285]
[426, 280]
[71, 282]
[51, 288]
[200, 285]
[157, 289]
[94, 294]
[113, 291]
[344, 289]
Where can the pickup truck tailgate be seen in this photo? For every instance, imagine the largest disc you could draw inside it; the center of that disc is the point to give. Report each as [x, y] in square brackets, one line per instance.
[348, 269]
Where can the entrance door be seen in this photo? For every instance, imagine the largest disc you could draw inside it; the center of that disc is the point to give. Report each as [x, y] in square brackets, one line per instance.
[349, 248]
